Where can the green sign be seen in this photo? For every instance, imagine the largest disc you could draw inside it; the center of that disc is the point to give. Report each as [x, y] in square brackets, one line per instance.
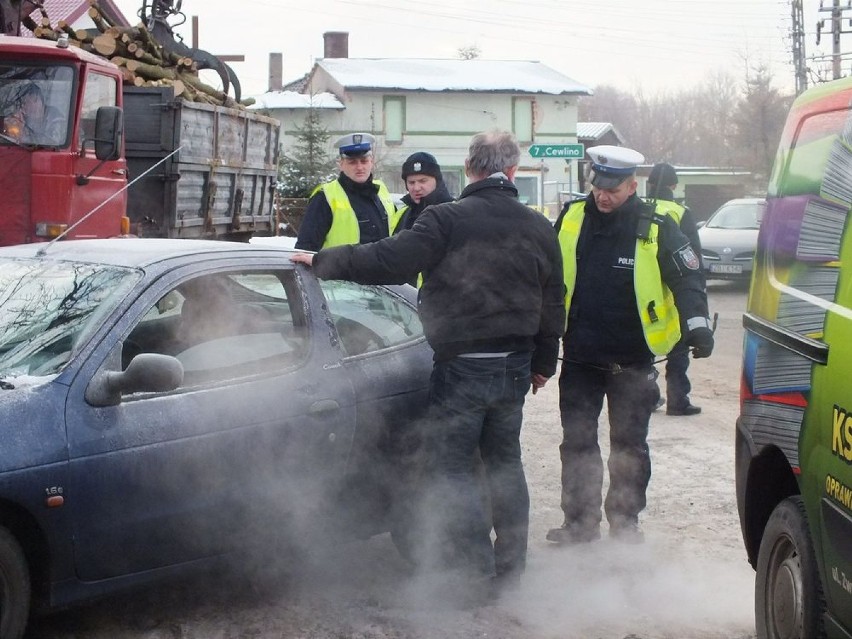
[567, 151]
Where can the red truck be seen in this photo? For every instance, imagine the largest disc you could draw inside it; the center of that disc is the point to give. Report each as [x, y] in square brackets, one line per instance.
[211, 170]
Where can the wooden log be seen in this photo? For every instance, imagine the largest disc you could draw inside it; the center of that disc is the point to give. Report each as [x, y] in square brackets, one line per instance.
[29, 23]
[105, 45]
[93, 4]
[97, 18]
[151, 71]
[65, 27]
[83, 35]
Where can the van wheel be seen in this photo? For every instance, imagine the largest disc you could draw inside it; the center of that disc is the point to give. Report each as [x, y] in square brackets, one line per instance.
[788, 598]
[14, 587]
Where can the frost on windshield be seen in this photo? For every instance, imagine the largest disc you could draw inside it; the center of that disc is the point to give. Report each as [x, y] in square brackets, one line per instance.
[48, 309]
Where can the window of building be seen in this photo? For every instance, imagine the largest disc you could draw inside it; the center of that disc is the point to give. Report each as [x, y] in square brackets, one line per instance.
[522, 119]
[394, 119]
[527, 189]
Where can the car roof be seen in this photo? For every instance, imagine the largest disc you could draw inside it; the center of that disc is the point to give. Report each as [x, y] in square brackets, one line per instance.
[136, 252]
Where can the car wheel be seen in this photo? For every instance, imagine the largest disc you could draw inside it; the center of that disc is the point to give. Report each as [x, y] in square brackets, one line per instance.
[14, 587]
[788, 595]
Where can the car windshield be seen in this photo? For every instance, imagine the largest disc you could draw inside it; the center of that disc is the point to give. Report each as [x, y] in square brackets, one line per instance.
[47, 309]
[35, 104]
[745, 215]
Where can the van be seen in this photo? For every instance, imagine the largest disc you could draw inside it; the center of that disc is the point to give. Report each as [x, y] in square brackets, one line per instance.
[794, 431]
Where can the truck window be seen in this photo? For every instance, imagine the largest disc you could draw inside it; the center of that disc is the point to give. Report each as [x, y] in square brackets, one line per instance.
[35, 104]
[100, 90]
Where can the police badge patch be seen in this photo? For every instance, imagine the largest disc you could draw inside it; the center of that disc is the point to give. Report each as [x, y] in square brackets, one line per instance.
[689, 258]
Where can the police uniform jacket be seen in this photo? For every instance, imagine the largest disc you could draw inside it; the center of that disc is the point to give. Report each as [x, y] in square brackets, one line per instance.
[603, 323]
[492, 274]
[371, 214]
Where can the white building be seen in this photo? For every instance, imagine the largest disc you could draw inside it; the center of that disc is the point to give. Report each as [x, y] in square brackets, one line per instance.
[436, 106]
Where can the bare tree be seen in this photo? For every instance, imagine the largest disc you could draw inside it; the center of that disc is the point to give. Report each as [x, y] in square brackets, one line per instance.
[469, 52]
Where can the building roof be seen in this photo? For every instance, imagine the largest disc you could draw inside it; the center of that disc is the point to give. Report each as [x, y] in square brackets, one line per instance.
[596, 130]
[294, 100]
[417, 74]
[73, 10]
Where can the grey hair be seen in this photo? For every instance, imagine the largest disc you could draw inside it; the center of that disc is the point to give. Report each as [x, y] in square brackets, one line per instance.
[493, 152]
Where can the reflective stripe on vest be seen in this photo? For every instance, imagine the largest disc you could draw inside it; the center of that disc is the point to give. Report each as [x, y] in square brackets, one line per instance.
[344, 223]
[667, 207]
[654, 300]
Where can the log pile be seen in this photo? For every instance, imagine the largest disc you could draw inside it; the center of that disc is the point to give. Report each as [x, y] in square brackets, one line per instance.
[143, 61]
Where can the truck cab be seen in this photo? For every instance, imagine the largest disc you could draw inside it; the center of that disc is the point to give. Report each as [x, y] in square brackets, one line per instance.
[50, 97]
[794, 431]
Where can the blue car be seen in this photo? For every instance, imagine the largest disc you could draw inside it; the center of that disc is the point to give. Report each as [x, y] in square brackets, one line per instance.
[165, 403]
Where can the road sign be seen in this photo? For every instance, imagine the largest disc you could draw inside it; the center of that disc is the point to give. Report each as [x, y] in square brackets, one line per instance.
[567, 151]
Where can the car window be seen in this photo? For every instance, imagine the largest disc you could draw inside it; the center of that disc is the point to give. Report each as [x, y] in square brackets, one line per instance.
[225, 326]
[370, 318]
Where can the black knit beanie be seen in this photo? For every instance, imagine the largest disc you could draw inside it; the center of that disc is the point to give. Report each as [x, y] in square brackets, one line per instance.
[421, 163]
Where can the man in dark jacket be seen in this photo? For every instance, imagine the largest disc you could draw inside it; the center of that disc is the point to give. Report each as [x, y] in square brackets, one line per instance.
[630, 277]
[354, 208]
[492, 307]
[661, 183]
[425, 185]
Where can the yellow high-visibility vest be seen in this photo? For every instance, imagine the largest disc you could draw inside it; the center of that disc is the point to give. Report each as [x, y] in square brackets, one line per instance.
[344, 225]
[654, 300]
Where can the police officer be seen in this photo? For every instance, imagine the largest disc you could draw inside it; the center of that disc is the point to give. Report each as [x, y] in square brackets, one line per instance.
[425, 185]
[354, 208]
[661, 184]
[630, 275]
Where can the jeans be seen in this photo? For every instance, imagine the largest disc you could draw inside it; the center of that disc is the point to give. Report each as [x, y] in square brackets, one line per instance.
[475, 412]
[631, 395]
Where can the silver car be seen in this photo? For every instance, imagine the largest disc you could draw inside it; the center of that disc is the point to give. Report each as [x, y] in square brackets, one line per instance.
[729, 239]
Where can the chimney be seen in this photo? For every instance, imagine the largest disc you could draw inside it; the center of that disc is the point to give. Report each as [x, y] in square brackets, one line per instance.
[336, 44]
[276, 72]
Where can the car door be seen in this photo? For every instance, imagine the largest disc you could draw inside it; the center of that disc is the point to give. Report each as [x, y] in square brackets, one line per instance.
[389, 363]
[252, 438]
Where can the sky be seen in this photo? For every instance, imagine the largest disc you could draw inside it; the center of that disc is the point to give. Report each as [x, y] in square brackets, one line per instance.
[658, 46]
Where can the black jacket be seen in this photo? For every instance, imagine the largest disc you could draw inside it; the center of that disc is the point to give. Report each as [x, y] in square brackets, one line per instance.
[372, 217]
[492, 274]
[603, 323]
[438, 196]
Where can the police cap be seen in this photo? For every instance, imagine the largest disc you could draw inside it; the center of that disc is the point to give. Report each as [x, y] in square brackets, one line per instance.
[611, 165]
[355, 144]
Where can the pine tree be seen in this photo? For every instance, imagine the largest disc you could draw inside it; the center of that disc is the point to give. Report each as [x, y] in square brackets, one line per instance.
[310, 163]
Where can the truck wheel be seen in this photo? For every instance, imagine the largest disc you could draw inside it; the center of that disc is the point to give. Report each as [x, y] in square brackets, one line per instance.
[788, 598]
[14, 587]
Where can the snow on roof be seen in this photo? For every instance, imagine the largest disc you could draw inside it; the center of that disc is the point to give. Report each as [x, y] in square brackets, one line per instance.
[417, 74]
[293, 100]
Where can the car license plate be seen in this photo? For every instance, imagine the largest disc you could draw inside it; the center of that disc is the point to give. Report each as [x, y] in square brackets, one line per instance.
[729, 269]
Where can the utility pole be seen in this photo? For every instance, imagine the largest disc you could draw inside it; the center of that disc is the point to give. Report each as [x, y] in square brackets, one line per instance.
[836, 29]
[798, 37]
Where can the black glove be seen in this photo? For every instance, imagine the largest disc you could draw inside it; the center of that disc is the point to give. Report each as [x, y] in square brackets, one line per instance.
[701, 341]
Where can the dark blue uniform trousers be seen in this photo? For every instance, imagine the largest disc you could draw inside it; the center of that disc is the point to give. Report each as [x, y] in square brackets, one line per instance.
[630, 396]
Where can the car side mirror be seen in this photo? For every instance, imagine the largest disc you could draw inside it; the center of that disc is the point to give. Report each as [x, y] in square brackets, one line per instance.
[109, 126]
[698, 225]
[146, 373]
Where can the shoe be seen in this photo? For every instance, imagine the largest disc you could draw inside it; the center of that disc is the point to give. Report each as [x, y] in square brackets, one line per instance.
[689, 409]
[629, 534]
[660, 402]
[566, 535]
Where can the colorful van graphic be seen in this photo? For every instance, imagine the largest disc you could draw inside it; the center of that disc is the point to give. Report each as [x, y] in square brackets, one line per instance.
[794, 432]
